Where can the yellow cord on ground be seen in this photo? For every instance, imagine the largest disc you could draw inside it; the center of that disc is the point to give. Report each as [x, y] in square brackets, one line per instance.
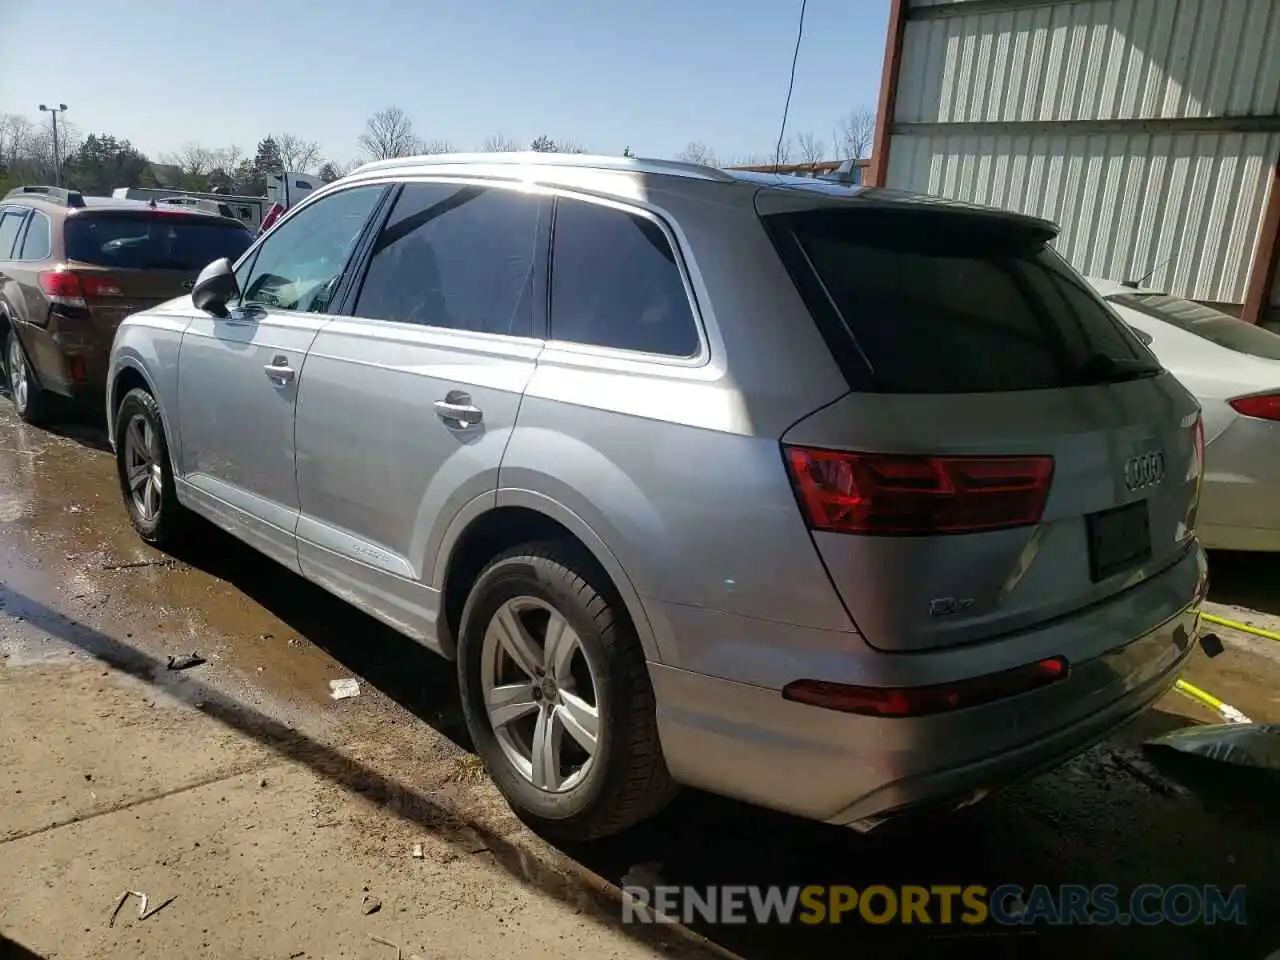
[1224, 710]
[1235, 625]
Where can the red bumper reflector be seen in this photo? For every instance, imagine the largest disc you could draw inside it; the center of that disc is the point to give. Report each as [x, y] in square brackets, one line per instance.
[922, 701]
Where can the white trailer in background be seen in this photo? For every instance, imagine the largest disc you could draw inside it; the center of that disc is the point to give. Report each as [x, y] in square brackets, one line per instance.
[283, 191]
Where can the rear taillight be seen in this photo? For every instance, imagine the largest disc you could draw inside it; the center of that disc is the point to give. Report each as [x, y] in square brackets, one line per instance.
[917, 495]
[69, 289]
[1197, 444]
[1264, 406]
[921, 701]
[96, 286]
[61, 287]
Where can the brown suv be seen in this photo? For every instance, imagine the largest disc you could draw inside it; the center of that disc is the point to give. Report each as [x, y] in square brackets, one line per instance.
[72, 267]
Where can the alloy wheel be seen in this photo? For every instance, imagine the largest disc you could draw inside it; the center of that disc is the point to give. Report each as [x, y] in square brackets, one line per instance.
[17, 373]
[540, 694]
[143, 475]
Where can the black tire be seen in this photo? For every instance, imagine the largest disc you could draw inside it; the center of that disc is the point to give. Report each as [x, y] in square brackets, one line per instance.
[166, 525]
[628, 780]
[33, 407]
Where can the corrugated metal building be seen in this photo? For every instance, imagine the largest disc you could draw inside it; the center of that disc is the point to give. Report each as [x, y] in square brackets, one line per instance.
[1148, 129]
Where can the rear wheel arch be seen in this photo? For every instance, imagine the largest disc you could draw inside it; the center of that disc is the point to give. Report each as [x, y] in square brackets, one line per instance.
[7, 322]
[465, 555]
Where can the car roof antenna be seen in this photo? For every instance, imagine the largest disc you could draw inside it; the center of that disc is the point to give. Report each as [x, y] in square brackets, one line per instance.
[1135, 284]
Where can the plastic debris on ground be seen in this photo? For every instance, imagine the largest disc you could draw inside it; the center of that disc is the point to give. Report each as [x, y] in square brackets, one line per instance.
[344, 689]
[185, 661]
[1255, 745]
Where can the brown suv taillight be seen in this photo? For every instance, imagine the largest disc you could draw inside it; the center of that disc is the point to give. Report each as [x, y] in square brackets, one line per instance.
[890, 494]
[66, 288]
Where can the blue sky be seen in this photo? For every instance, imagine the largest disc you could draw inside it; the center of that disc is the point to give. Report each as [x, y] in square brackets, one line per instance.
[652, 75]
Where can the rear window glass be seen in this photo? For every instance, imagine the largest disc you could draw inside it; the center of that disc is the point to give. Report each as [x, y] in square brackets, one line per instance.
[953, 303]
[1212, 325]
[153, 241]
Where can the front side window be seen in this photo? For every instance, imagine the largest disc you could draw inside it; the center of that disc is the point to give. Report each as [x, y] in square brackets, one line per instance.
[1212, 325]
[38, 243]
[615, 283]
[300, 264]
[460, 257]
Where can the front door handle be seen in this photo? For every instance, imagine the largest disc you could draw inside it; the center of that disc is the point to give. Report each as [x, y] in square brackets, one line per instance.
[457, 411]
[278, 369]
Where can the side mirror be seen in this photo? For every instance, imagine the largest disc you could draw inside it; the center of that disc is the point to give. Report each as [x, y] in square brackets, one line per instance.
[215, 288]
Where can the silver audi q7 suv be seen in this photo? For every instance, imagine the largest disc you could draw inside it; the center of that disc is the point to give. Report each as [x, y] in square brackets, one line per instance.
[839, 501]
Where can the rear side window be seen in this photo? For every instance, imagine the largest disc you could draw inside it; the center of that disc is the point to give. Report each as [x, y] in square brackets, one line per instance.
[38, 243]
[10, 221]
[615, 283]
[460, 257]
[954, 303]
[1212, 325]
[152, 241]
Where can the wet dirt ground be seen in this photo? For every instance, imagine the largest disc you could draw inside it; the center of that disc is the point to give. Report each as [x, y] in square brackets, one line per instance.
[81, 596]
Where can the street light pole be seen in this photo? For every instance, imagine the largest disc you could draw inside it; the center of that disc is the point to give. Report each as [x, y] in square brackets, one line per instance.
[57, 157]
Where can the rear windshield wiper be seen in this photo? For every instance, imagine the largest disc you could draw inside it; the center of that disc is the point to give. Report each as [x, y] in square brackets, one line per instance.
[1102, 368]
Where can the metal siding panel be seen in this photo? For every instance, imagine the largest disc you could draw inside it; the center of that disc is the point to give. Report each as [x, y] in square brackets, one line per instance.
[1186, 207]
[1094, 59]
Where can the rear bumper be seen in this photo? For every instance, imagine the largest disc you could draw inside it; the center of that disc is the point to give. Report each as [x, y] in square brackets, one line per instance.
[70, 359]
[747, 742]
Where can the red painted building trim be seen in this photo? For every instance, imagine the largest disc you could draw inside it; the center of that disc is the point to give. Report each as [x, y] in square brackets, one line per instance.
[1262, 272]
[888, 92]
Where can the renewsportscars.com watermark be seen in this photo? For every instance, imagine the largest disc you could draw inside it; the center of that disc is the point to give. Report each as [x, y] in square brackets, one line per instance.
[973, 905]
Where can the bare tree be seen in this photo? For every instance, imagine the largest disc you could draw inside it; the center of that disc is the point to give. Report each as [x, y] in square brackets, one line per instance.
[17, 136]
[439, 145]
[227, 158]
[297, 155]
[782, 151]
[387, 134]
[749, 160]
[192, 159]
[811, 148]
[697, 152]
[569, 146]
[856, 133]
[498, 143]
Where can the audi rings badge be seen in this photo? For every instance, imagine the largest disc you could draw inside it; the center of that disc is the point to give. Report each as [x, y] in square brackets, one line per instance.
[1144, 470]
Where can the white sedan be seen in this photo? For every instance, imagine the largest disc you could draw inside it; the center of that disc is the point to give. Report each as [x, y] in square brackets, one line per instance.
[1233, 368]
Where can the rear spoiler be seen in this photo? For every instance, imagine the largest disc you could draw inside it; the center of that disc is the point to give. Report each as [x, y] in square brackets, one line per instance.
[786, 198]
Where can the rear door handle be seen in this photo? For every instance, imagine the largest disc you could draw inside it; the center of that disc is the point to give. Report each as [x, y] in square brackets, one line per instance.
[279, 369]
[457, 411]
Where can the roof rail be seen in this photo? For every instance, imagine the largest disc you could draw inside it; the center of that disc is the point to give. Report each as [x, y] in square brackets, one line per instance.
[531, 158]
[69, 198]
[198, 203]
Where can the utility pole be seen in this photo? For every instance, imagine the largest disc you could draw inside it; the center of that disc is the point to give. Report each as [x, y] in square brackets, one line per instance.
[57, 157]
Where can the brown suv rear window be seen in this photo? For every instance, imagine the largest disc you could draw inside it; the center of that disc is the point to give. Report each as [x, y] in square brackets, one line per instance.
[152, 241]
